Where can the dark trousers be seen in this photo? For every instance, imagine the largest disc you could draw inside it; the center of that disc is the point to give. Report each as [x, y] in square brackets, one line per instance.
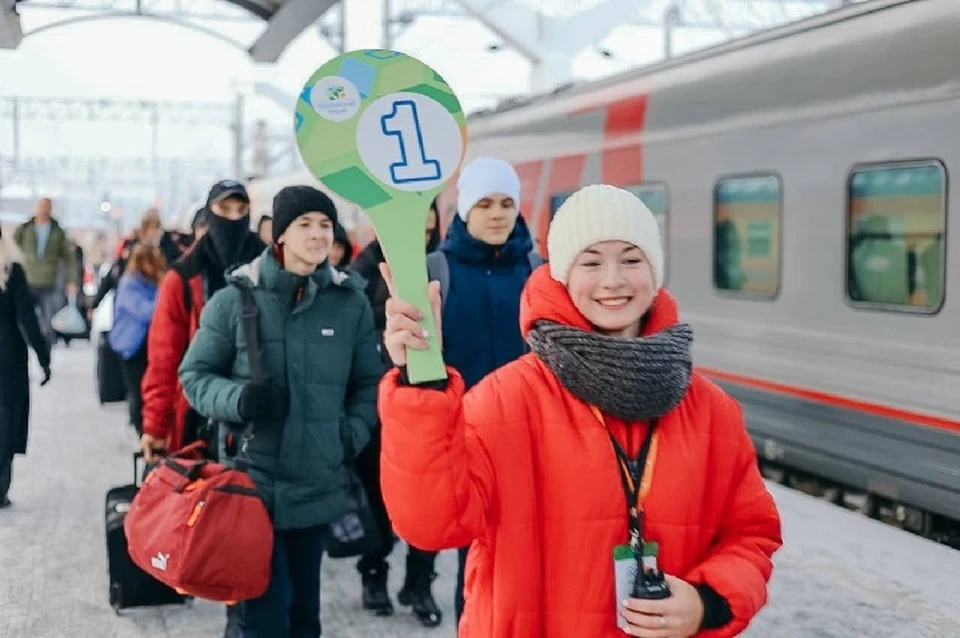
[458, 600]
[132, 371]
[290, 608]
[6, 475]
[368, 469]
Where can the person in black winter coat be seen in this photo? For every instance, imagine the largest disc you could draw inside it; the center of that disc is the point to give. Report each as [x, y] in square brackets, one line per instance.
[416, 592]
[17, 318]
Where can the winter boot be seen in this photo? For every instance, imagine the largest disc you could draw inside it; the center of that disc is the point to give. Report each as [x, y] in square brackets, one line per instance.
[375, 596]
[416, 593]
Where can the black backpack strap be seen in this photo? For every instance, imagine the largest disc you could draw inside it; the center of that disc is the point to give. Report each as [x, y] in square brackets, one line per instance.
[251, 337]
[187, 292]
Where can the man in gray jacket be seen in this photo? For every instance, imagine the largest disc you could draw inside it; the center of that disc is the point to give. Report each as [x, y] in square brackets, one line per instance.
[313, 413]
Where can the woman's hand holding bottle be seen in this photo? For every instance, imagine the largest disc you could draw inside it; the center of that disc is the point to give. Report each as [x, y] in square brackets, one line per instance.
[678, 616]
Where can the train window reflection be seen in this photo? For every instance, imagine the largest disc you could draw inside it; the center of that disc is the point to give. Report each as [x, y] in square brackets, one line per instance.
[896, 223]
[746, 231]
[556, 201]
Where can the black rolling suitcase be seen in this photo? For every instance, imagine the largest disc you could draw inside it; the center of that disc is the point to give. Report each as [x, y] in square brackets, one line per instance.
[110, 388]
[130, 586]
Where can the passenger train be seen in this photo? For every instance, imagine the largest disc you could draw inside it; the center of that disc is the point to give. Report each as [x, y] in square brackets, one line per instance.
[801, 177]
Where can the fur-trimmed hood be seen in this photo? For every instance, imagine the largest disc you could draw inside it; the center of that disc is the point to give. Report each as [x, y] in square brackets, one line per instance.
[251, 274]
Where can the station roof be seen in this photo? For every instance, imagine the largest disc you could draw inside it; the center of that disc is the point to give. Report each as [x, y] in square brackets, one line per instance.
[285, 19]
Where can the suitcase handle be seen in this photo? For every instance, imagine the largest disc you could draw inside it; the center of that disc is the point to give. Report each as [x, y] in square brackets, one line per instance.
[136, 475]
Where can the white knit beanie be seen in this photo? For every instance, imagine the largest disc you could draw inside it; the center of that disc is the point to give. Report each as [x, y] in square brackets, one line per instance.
[483, 177]
[602, 213]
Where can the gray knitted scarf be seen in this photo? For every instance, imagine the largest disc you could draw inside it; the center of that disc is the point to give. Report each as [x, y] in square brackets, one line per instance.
[631, 379]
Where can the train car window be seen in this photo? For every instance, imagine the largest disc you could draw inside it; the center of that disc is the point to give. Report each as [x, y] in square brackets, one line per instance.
[896, 231]
[556, 200]
[746, 235]
[654, 195]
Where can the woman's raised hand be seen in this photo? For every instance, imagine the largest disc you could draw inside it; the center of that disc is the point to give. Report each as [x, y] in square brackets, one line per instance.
[402, 330]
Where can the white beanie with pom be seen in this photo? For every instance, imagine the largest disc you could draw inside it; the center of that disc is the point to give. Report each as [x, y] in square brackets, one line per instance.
[597, 213]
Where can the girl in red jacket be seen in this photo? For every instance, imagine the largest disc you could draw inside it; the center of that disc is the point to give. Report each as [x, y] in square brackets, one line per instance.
[600, 445]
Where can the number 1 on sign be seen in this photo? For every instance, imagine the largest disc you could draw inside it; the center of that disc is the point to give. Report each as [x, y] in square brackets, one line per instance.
[403, 122]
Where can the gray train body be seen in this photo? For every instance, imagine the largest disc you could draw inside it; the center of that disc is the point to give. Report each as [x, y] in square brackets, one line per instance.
[825, 148]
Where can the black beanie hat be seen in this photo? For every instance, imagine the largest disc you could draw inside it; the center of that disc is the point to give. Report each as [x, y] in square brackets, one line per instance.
[293, 201]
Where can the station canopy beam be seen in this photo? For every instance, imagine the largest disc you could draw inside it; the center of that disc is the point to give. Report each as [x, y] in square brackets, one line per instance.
[11, 33]
[285, 24]
[549, 34]
[284, 20]
[549, 43]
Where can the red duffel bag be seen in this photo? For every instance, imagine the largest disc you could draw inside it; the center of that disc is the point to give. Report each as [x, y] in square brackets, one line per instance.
[201, 528]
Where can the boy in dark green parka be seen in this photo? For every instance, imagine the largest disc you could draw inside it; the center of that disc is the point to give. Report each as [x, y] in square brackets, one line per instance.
[317, 408]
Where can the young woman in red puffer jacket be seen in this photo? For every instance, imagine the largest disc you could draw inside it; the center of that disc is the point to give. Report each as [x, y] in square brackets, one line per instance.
[527, 465]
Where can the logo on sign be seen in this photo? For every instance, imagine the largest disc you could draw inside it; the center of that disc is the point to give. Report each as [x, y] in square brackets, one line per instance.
[335, 98]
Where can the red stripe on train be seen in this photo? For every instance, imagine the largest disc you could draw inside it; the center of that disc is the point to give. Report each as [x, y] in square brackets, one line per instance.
[623, 165]
[834, 400]
[529, 174]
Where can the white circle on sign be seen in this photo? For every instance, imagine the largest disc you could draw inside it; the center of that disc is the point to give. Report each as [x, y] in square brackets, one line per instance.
[335, 98]
[409, 142]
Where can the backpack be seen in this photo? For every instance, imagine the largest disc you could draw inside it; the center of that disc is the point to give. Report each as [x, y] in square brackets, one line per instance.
[439, 270]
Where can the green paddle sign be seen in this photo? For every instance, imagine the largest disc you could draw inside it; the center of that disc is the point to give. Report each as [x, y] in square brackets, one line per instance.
[384, 131]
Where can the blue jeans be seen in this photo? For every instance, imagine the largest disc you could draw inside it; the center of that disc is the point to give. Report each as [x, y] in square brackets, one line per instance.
[290, 608]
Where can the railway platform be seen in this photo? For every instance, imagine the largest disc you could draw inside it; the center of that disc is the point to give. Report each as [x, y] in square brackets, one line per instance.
[838, 575]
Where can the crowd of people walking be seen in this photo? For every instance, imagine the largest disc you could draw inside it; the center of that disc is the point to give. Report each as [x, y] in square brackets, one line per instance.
[567, 380]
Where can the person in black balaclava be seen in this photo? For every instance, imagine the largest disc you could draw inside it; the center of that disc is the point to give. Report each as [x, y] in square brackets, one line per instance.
[228, 229]
[168, 420]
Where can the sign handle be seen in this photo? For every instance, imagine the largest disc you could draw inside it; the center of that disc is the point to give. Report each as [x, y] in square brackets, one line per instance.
[409, 269]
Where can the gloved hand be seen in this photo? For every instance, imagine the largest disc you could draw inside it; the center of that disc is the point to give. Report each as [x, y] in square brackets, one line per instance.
[46, 376]
[259, 401]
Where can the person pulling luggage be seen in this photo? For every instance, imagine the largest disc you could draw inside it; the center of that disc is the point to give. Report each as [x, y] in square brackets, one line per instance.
[316, 412]
[222, 228]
